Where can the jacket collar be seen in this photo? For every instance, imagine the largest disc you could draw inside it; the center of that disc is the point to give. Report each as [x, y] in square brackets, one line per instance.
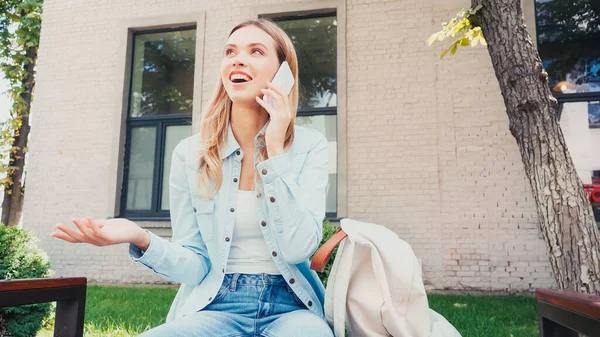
[231, 145]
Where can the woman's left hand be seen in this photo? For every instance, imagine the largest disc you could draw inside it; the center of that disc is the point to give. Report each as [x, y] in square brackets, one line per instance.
[281, 117]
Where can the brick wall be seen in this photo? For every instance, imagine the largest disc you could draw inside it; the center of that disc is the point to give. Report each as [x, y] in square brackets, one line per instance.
[428, 150]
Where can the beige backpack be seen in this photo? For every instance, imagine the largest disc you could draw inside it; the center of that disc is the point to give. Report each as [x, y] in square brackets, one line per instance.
[375, 288]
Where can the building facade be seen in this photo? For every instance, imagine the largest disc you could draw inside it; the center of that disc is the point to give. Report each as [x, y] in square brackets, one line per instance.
[418, 144]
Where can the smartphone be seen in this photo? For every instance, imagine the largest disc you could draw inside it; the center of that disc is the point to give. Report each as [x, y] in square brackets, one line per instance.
[284, 77]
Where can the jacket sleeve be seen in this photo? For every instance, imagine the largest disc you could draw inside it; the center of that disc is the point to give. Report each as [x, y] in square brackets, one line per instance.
[296, 201]
[185, 259]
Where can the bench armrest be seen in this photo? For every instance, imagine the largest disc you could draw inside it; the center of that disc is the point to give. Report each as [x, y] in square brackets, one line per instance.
[561, 313]
[69, 294]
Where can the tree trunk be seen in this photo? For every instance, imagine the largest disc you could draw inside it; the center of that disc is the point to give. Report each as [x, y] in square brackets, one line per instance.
[12, 205]
[565, 214]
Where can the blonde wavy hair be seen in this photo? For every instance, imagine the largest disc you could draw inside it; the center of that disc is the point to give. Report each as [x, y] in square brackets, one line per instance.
[217, 115]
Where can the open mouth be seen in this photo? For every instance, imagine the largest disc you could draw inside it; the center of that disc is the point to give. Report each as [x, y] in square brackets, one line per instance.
[240, 78]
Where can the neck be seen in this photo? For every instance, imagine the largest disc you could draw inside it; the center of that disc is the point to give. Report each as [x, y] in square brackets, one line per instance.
[246, 122]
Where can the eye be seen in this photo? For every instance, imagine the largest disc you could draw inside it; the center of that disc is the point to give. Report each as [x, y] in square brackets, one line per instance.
[228, 51]
[257, 50]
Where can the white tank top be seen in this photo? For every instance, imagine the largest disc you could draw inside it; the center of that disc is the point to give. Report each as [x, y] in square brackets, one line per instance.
[249, 253]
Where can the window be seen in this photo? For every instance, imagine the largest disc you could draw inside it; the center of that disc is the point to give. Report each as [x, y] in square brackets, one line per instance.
[568, 35]
[315, 40]
[159, 116]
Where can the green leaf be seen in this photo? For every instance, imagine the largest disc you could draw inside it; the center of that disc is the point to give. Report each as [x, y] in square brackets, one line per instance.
[461, 30]
[432, 39]
[444, 53]
[454, 48]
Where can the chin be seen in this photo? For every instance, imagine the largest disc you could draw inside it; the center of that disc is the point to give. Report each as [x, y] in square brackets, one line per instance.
[243, 99]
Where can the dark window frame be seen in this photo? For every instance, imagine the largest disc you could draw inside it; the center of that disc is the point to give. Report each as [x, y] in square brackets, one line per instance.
[160, 122]
[322, 111]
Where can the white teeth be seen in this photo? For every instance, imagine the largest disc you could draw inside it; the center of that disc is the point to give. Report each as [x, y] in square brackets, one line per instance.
[239, 77]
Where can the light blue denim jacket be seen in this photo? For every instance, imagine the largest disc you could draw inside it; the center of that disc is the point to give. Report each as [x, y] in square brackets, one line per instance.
[292, 190]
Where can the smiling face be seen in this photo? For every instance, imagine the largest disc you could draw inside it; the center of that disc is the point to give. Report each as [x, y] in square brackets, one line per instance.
[249, 62]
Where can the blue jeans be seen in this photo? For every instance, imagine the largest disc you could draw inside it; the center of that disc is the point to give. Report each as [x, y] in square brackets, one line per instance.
[258, 305]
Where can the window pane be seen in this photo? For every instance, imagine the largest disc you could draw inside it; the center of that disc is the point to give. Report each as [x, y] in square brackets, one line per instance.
[162, 77]
[327, 125]
[141, 168]
[583, 141]
[175, 133]
[569, 44]
[316, 46]
[594, 116]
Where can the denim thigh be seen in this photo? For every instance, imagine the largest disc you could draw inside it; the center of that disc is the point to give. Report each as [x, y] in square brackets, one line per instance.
[248, 305]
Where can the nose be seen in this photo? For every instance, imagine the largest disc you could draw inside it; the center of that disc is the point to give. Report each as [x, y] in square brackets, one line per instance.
[239, 60]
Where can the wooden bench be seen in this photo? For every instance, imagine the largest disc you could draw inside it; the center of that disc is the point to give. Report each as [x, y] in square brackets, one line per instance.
[69, 294]
[564, 313]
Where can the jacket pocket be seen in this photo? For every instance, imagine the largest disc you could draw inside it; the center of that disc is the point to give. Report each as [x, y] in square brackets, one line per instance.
[205, 213]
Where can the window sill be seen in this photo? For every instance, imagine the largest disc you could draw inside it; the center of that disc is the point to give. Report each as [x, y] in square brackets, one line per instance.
[143, 218]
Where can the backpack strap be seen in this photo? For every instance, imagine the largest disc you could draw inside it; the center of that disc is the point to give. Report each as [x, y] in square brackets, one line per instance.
[323, 254]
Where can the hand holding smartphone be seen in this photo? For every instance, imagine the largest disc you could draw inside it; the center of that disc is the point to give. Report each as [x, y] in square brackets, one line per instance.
[283, 77]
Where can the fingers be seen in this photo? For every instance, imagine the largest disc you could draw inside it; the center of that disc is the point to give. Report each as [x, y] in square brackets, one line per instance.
[98, 224]
[72, 233]
[82, 226]
[88, 232]
[94, 226]
[279, 90]
[279, 103]
[63, 236]
[93, 236]
[281, 108]
[276, 92]
[266, 106]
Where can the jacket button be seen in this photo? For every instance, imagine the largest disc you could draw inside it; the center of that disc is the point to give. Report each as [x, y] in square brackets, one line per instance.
[210, 299]
[237, 152]
[235, 180]
[227, 239]
[259, 195]
[195, 209]
[292, 281]
[310, 303]
[274, 254]
[264, 171]
[223, 271]
[263, 223]
[272, 199]
[232, 210]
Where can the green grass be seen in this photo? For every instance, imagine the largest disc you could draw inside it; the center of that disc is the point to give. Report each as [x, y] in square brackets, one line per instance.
[125, 312]
[488, 316]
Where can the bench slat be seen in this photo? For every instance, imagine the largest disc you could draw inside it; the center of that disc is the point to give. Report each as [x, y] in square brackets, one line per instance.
[29, 284]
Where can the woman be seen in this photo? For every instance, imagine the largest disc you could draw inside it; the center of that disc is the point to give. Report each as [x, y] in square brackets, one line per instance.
[247, 203]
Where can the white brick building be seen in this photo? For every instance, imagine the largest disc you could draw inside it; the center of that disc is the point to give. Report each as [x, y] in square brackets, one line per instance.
[422, 144]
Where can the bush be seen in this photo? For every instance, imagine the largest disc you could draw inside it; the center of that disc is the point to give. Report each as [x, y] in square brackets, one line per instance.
[328, 231]
[21, 258]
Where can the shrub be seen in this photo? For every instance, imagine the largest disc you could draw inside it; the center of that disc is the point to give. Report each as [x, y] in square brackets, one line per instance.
[21, 258]
[328, 231]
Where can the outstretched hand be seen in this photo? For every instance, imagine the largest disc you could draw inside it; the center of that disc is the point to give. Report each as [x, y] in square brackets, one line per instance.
[103, 232]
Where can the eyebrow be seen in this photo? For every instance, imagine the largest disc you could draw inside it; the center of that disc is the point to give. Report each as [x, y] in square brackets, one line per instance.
[250, 45]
